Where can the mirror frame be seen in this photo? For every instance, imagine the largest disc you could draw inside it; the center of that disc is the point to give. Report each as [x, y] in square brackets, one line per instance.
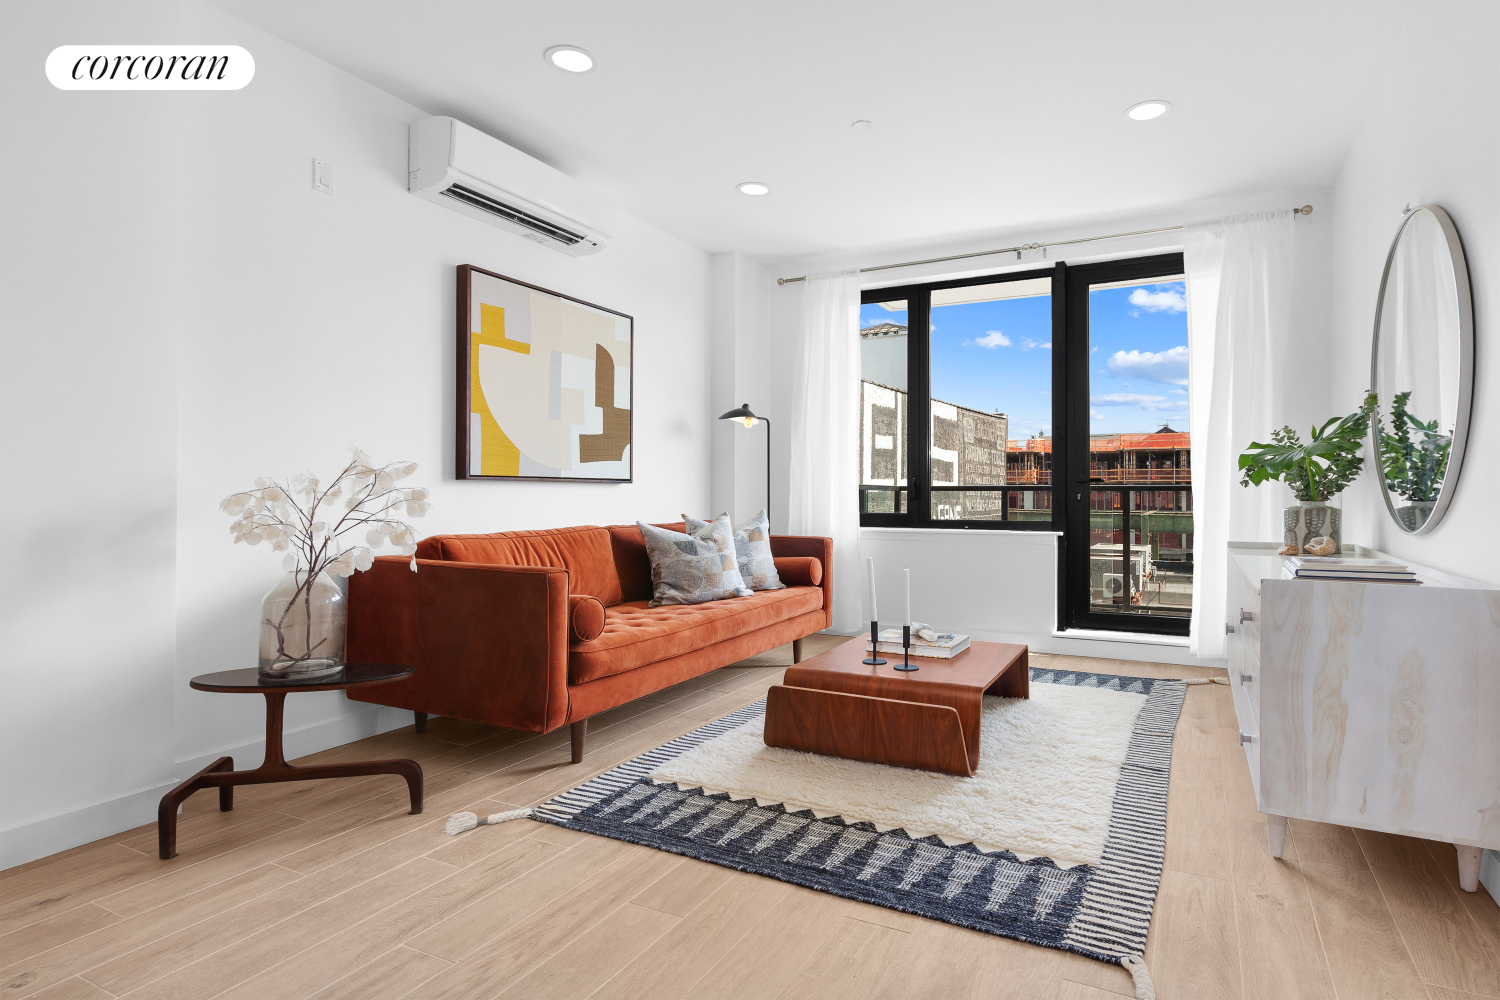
[1465, 366]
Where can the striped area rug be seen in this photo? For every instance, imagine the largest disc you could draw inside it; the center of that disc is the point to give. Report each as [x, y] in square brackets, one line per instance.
[1101, 910]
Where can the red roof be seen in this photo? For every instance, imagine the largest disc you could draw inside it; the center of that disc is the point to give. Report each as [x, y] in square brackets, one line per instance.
[1116, 442]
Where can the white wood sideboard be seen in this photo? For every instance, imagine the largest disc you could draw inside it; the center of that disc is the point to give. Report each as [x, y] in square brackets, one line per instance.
[1371, 705]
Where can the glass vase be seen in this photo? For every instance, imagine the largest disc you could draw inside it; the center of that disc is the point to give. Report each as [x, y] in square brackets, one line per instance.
[302, 628]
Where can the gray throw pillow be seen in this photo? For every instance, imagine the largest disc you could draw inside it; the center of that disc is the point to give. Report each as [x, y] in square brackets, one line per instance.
[721, 532]
[752, 547]
[691, 569]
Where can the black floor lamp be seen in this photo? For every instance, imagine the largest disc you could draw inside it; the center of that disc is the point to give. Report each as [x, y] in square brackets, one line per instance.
[746, 416]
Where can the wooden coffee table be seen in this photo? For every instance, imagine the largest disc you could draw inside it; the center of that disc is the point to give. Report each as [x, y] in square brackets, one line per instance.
[928, 719]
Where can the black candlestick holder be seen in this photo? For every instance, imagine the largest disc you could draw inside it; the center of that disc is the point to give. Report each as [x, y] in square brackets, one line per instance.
[905, 663]
[874, 659]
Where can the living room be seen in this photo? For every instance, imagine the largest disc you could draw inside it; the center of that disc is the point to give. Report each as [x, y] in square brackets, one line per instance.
[1135, 267]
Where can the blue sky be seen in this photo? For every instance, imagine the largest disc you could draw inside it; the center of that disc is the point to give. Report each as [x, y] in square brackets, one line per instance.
[1138, 358]
[998, 355]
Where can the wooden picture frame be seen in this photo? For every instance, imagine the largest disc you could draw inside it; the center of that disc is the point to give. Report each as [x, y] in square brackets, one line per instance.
[539, 382]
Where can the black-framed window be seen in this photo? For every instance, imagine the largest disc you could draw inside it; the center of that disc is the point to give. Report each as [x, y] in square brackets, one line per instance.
[986, 404]
[953, 373]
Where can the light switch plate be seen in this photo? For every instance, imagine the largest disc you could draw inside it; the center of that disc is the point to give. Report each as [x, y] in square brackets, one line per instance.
[322, 177]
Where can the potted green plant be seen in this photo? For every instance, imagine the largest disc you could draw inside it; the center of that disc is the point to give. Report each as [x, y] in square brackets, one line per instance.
[1316, 471]
[1414, 458]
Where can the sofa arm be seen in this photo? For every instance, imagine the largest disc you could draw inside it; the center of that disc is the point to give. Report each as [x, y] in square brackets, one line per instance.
[585, 617]
[488, 643]
[818, 548]
[799, 571]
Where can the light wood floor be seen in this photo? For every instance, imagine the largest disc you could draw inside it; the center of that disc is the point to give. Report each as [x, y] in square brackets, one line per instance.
[329, 890]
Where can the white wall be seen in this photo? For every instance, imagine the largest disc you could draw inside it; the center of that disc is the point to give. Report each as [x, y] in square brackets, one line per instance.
[88, 301]
[740, 374]
[224, 322]
[1003, 586]
[1429, 136]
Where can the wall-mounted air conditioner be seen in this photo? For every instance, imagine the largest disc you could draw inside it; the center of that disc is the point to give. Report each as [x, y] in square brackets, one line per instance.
[461, 168]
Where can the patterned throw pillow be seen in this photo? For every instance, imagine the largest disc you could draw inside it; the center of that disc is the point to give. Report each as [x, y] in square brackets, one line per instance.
[752, 547]
[692, 568]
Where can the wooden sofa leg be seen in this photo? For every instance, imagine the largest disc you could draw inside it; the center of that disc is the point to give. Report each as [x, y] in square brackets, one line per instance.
[796, 650]
[421, 721]
[580, 733]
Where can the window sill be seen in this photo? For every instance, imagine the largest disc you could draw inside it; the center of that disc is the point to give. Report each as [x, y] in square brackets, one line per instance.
[1035, 534]
[1142, 638]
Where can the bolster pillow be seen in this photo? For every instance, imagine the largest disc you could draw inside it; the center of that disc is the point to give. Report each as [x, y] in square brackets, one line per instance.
[585, 617]
[799, 571]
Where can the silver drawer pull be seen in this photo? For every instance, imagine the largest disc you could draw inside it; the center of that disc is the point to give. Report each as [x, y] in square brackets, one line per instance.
[1246, 678]
[1228, 629]
[1246, 738]
[1246, 616]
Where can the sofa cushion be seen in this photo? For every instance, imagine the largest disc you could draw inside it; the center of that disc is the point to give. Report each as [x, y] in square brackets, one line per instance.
[635, 634]
[800, 571]
[583, 551]
[585, 617]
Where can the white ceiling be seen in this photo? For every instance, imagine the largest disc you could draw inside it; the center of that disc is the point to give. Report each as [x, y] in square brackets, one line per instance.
[987, 116]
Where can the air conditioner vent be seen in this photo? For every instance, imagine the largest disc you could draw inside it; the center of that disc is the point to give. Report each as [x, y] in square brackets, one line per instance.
[487, 204]
[466, 171]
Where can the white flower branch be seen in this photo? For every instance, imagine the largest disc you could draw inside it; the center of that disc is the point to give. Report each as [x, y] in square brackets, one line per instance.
[284, 515]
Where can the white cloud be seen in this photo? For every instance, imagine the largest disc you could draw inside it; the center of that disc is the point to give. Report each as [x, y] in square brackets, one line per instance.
[1170, 300]
[993, 338]
[1169, 367]
[1183, 391]
[1027, 344]
[1136, 399]
[1096, 414]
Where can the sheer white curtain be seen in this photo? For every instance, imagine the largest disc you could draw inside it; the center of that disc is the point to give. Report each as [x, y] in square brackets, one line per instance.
[824, 425]
[1239, 286]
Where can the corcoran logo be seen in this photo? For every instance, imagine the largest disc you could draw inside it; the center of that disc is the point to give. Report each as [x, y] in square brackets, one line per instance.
[150, 67]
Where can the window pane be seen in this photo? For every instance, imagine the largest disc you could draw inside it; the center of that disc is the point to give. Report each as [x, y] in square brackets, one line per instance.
[1139, 436]
[878, 501]
[882, 406]
[1160, 552]
[991, 505]
[991, 377]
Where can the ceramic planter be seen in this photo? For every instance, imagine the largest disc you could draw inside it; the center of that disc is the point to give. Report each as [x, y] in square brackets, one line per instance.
[1309, 519]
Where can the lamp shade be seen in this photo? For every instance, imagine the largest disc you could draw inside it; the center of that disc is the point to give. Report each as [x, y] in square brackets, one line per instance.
[739, 413]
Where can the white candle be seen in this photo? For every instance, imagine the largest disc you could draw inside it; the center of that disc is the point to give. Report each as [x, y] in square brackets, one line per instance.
[907, 573]
[870, 563]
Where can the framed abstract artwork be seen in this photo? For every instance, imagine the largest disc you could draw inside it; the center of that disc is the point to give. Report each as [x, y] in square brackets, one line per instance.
[544, 383]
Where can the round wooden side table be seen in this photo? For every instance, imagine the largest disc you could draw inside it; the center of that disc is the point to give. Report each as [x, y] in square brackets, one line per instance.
[221, 773]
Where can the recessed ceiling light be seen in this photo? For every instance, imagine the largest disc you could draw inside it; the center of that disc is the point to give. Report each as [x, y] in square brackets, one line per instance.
[863, 125]
[569, 57]
[753, 188]
[1147, 110]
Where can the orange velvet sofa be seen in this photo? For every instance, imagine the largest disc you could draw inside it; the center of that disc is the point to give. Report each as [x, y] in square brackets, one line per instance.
[535, 630]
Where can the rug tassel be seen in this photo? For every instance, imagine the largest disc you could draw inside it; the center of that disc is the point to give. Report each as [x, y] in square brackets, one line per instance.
[459, 822]
[1136, 966]
[1207, 680]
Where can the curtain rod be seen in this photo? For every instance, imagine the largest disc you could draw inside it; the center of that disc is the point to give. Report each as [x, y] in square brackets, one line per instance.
[1024, 248]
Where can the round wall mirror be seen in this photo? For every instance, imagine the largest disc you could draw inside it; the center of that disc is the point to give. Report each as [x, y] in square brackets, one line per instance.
[1422, 369]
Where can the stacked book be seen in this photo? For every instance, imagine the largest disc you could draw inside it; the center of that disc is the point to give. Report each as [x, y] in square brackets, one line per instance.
[1362, 569]
[944, 645]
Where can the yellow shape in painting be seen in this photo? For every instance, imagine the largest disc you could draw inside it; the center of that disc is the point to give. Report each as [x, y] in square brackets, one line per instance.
[492, 330]
[497, 456]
